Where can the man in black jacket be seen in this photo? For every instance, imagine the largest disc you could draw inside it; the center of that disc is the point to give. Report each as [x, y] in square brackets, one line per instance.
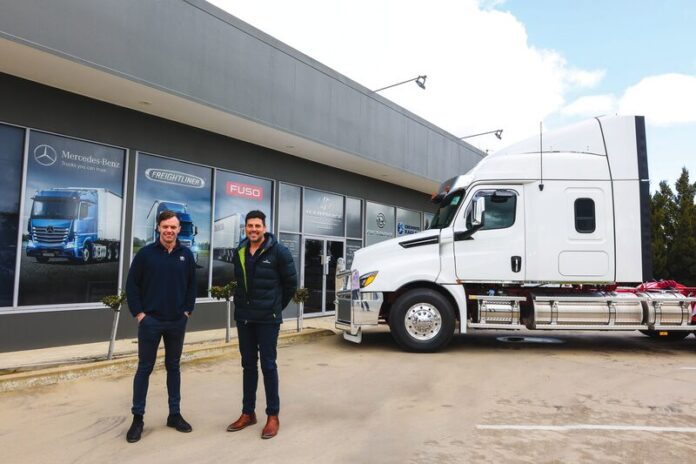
[161, 293]
[266, 281]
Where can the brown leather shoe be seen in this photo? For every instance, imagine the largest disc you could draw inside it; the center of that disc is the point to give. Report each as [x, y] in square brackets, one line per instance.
[244, 421]
[271, 428]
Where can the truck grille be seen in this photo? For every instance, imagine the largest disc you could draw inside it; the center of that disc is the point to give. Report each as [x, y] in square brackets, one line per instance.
[50, 234]
[343, 307]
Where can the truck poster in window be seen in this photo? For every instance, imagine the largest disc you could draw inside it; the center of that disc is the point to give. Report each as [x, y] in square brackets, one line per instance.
[165, 184]
[71, 223]
[11, 149]
[235, 196]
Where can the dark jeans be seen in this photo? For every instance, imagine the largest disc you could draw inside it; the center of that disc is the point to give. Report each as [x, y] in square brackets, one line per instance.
[263, 339]
[150, 331]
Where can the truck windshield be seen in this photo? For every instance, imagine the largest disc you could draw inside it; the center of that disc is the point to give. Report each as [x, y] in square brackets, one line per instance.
[54, 208]
[445, 213]
[186, 229]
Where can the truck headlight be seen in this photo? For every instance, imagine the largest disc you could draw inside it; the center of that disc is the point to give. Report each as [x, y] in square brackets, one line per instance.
[367, 279]
[70, 245]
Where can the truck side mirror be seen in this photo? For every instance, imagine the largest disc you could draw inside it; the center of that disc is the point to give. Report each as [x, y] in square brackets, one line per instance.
[195, 230]
[478, 208]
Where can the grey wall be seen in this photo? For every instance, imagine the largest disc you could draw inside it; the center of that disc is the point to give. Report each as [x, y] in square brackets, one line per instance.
[36, 106]
[194, 50]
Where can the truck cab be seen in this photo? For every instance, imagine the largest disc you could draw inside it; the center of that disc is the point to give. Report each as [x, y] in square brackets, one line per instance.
[542, 235]
[187, 234]
[80, 224]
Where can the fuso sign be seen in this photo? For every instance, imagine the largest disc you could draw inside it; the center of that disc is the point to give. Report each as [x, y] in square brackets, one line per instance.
[237, 189]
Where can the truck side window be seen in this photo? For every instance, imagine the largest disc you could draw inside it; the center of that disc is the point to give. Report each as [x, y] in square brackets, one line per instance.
[84, 210]
[585, 222]
[501, 209]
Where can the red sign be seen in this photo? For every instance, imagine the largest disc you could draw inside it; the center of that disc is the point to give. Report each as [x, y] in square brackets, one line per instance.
[237, 189]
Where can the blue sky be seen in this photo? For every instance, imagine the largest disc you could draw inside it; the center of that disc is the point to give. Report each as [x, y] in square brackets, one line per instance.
[629, 40]
[510, 64]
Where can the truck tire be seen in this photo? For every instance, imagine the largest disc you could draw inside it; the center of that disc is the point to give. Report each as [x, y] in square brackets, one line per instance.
[109, 254]
[667, 335]
[422, 320]
[114, 252]
[86, 255]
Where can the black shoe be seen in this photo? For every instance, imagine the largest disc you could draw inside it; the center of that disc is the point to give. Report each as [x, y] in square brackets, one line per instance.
[135, 430]
[178, 422]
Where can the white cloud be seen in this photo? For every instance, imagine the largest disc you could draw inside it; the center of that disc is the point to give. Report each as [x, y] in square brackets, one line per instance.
[482, 73]
[590, 106]
[582, 78]
[665, 99]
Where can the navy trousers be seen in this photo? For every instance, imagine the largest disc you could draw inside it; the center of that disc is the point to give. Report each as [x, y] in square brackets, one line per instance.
[254, 340]
[150, 332]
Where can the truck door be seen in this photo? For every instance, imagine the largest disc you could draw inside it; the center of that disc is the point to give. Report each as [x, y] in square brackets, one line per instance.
[496, 251]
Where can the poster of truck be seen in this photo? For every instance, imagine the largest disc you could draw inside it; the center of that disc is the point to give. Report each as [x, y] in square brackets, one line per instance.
[165, 184]
[11, 149]
[71, 221]
[236, 195]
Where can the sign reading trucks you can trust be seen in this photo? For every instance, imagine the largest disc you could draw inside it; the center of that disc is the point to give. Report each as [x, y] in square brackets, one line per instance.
[71, 223]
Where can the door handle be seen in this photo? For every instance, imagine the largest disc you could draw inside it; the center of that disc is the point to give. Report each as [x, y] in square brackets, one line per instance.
[516, 263]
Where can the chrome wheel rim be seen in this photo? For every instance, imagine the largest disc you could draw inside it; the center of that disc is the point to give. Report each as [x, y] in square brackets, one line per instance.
[423, 321]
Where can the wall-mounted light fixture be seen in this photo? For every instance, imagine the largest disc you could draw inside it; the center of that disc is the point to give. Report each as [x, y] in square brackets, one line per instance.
[420, 82]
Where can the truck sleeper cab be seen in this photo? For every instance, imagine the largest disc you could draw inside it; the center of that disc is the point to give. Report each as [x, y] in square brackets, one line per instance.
[533, 237]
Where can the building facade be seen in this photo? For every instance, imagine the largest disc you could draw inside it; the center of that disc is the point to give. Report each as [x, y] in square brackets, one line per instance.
[112, 112]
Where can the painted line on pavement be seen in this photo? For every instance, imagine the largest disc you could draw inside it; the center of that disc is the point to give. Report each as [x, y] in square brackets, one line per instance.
[688, 368]
[572, 427]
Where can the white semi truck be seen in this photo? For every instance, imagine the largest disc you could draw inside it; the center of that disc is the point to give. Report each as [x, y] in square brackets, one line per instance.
[227, 233]
[544, 235]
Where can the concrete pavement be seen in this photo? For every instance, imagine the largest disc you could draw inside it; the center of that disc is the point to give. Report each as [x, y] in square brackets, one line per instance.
[22, 369]
[371, 403]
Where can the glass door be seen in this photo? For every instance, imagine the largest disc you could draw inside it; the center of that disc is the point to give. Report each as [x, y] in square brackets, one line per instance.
[334, 251]
[320, 259]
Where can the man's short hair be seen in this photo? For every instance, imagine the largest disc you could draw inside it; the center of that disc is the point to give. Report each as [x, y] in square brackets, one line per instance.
[255, 214]
[166, 214]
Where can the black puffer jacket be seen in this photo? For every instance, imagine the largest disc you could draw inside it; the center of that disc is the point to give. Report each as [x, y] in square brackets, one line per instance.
[261, 297]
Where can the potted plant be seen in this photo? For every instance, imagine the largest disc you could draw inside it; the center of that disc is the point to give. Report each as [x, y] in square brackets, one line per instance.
[225, 292]
[114, 302]
[300, 297]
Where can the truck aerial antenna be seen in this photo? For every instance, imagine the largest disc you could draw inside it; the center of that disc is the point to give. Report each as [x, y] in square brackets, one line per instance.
[541, 157]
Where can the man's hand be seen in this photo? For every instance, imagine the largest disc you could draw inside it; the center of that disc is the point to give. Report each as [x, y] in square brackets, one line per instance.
[140, 317]
[188, 314]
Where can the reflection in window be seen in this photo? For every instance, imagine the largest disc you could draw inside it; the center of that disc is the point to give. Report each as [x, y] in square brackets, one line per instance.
[501, 206]
[289, 211]
[445, 213]
[353, 217]
[585, 215]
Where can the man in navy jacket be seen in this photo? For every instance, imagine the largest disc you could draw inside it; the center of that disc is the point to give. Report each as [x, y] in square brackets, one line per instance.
[266, 281]
[161, 293]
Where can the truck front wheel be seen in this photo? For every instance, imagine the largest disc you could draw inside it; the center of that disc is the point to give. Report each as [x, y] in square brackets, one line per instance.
[86, 255]
[422, 320]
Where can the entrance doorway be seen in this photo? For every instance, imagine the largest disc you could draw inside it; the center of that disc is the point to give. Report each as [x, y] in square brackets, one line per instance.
[320, 259]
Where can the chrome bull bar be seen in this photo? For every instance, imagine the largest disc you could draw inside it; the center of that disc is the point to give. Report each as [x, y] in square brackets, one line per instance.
[355, 309]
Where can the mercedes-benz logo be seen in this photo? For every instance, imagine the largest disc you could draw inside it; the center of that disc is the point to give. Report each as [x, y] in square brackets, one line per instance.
[381, 220]
[49, 229]
[45, 155]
